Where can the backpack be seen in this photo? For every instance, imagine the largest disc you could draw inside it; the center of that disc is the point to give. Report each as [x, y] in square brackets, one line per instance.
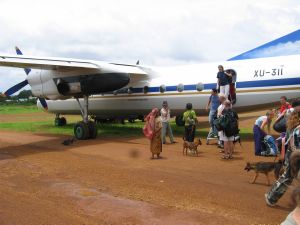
[270, 147]
[280, 125]
[191, 120]
[229, 123]
[217, 124]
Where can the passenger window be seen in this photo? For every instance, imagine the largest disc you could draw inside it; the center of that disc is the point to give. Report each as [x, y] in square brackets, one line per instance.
[146, 89]
[130, 90]
[162, 88]
[180, 87]
[199, 86]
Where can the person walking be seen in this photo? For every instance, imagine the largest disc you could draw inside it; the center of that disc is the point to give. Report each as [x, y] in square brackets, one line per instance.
[219, 114]
[223, 81]
[152, 130]
[293, 141]
[190, 120]
[212, 106]
[259, 130]
[165, 120]
[230, 129]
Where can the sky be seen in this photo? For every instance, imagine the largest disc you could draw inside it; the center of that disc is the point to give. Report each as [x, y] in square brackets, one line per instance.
[156, 32]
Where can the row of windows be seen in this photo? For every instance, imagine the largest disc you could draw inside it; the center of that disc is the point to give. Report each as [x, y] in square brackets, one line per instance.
[162, 89]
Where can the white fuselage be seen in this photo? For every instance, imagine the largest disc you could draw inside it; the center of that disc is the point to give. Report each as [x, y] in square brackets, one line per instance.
[259, 82]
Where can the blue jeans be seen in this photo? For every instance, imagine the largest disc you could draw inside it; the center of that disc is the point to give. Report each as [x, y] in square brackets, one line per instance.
[166, 127]
[211, 122]
[259, 135]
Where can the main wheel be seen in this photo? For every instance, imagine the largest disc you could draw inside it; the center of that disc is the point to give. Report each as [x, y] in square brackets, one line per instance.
[60, 121]
[179, 121]
[81, 130]
[92, 129]
[131, 120]
[57, 122]
[63, 121]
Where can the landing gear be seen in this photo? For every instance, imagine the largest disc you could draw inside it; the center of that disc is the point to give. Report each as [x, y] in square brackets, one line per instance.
[60, 121]
[85, 129]
[131, 120]
[179, 121]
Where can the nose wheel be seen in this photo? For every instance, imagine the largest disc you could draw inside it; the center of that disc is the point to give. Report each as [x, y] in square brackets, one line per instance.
[85, 129]
[60, 121]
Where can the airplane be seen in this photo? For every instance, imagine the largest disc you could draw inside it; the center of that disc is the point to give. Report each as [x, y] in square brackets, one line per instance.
[88, 87]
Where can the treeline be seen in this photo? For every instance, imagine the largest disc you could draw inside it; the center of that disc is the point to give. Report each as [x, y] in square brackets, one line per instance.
[24, 97]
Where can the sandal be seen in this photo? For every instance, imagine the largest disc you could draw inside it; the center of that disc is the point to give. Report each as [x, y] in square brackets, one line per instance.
[230, 157]
[225, 157]
[221, 151]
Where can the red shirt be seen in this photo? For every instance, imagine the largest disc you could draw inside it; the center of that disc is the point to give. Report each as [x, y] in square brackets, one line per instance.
[285, 107]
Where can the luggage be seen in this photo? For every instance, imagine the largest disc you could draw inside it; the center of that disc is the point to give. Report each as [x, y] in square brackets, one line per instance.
[227, 123]
[280, 125]
[232, 128]
[269, 146]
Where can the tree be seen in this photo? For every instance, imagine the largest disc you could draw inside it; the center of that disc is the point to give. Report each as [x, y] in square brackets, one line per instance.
[2, 97]
[25, 94]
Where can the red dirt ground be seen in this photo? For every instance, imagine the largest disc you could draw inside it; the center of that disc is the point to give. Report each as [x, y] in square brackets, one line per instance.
[113, 181]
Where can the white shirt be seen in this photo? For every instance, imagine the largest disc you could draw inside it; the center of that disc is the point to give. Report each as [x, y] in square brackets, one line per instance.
[165, 115]
[220, 109]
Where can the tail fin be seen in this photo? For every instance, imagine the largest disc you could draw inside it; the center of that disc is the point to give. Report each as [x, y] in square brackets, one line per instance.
[286, 45]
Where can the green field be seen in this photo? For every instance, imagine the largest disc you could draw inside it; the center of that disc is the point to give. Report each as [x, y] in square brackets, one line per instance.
[108, 130]
[17, 109]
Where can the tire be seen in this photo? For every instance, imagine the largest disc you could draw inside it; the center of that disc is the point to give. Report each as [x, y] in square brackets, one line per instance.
[81, 131]
[141, 118]
[179, 121]
[93, 131]
[57, 122]
[131, 120]
[63, 121]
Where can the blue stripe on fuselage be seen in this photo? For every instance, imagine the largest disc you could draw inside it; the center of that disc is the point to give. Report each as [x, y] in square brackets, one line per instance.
[242, 84]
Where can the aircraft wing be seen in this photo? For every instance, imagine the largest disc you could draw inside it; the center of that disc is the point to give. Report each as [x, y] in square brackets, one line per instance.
[47, 63]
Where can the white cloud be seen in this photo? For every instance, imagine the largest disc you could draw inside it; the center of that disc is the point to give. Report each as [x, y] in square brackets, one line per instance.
[155, 32]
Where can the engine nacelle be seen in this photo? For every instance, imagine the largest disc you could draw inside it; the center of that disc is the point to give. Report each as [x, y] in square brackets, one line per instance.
[91, 84]
[42, 84]
[54, 85]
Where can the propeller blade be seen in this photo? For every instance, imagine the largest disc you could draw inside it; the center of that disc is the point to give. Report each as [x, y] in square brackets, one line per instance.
[43, 103]
[18, 51]
[16, 88]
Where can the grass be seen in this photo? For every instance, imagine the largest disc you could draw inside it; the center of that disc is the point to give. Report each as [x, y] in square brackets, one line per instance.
[17, 109]
[106, 130]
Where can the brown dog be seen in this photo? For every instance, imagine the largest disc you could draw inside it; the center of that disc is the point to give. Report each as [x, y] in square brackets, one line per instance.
[265, 168]
[192, 146]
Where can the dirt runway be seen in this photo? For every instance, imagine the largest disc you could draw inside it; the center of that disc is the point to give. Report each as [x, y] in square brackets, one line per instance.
[113, 181]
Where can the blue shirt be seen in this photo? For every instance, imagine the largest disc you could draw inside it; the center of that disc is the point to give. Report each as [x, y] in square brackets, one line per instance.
[214, 102]
[223, 78]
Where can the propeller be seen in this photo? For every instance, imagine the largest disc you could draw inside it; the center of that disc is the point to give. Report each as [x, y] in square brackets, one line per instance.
[22, 84]
[16, 88]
